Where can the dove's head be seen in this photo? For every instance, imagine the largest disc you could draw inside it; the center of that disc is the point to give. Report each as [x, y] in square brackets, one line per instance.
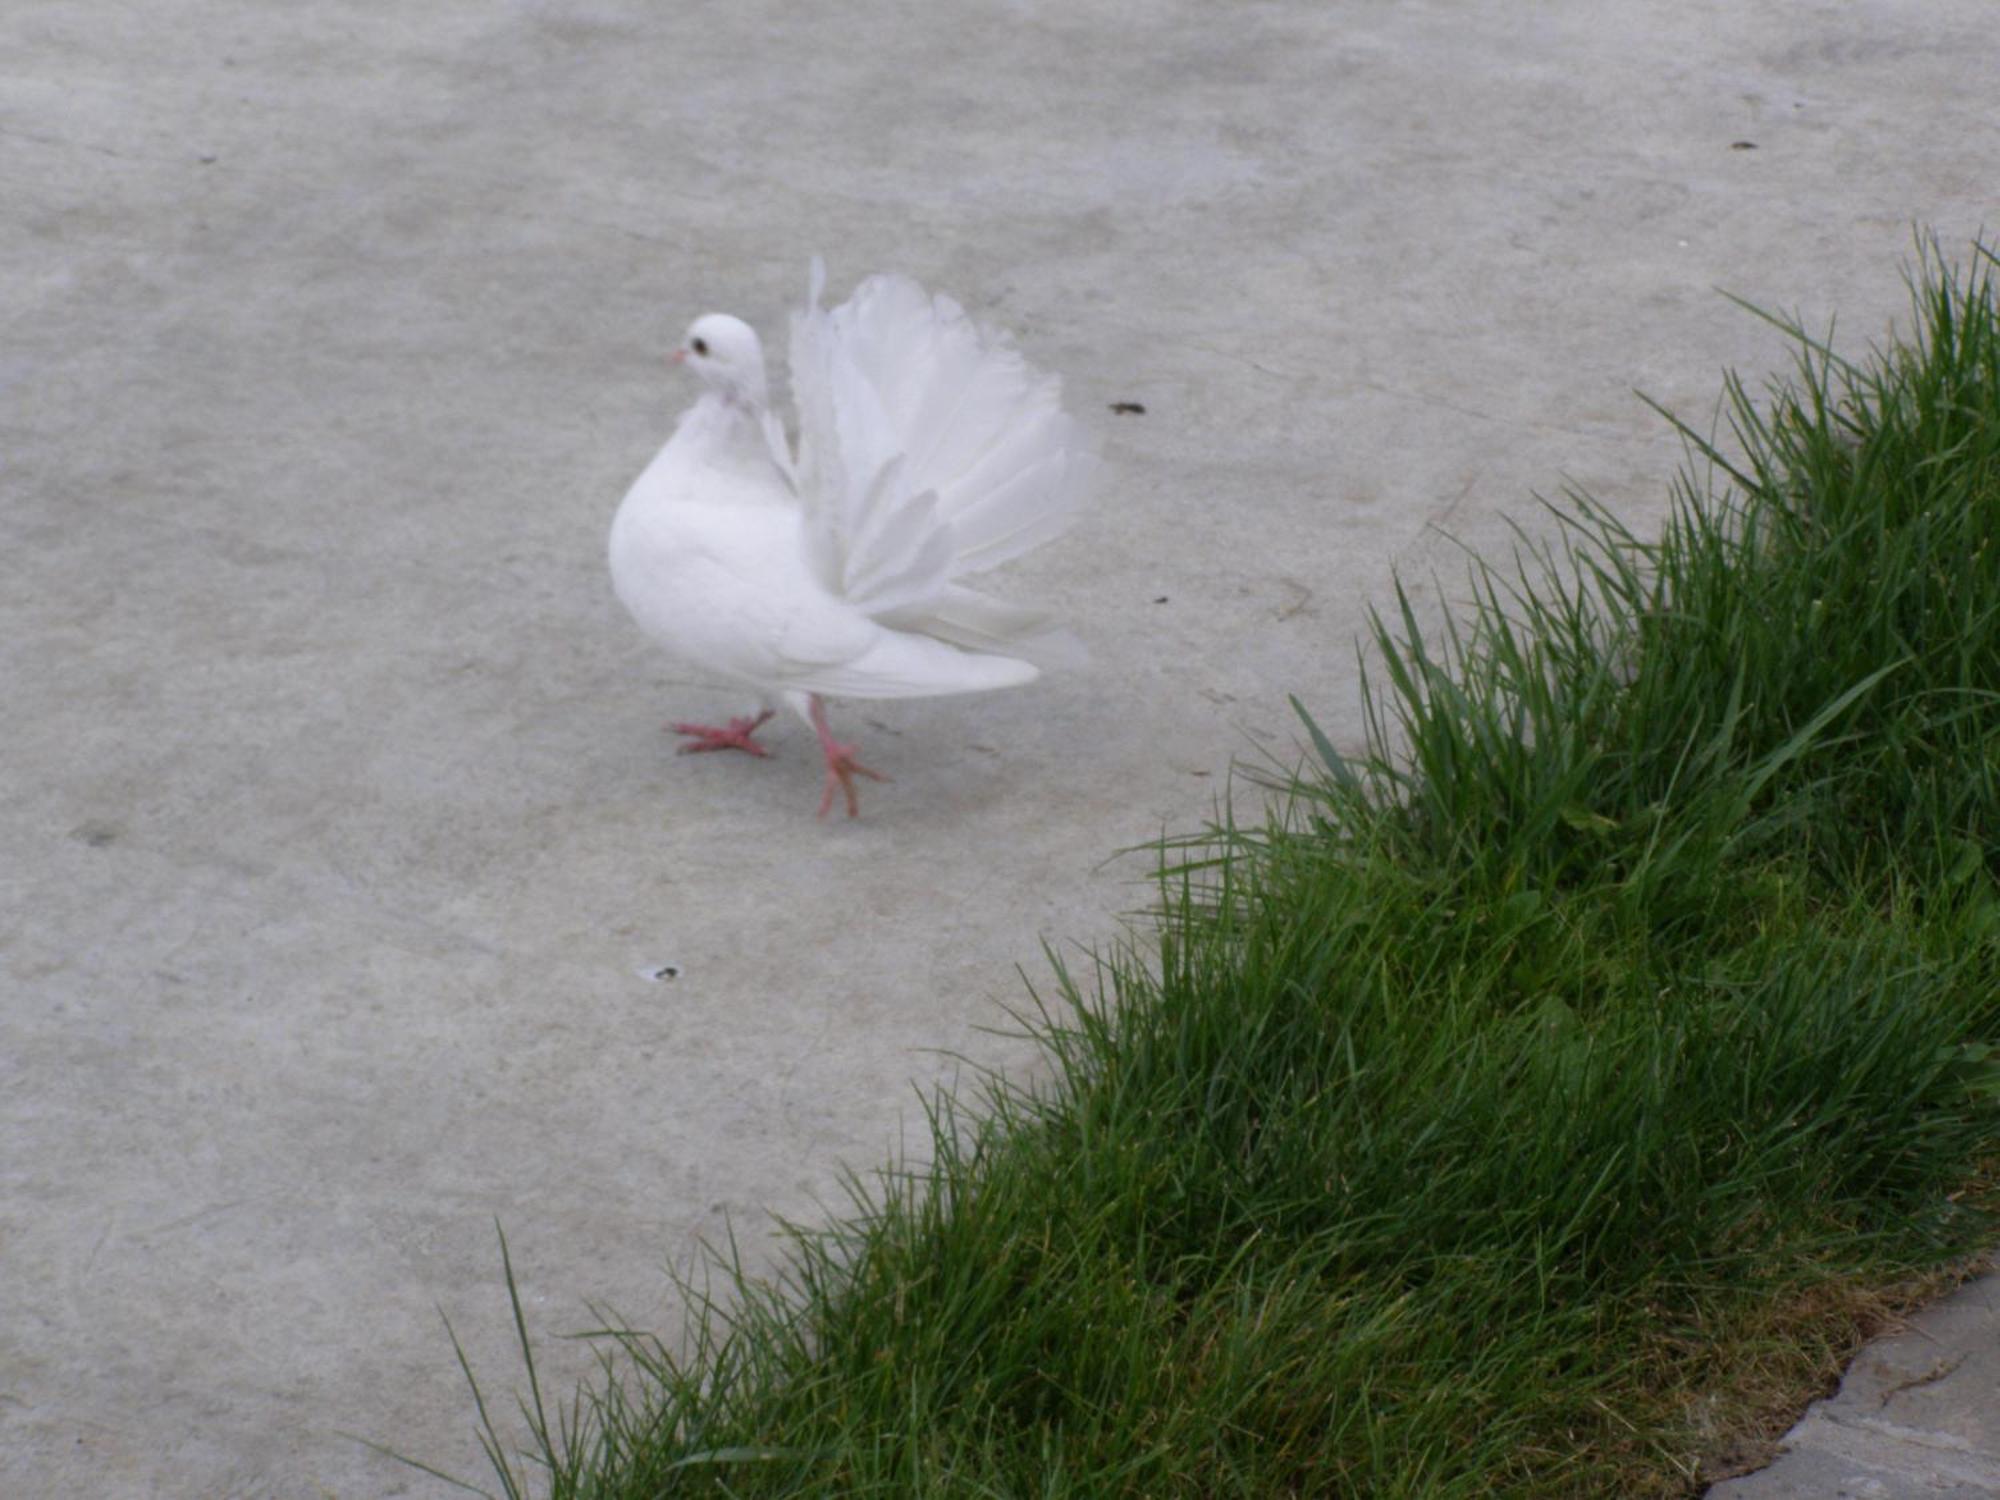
[725, 353]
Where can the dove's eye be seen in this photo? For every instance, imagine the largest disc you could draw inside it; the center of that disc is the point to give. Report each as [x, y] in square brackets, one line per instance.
[701, 346]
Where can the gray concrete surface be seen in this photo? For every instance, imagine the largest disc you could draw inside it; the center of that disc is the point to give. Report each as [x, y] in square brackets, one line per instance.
[1916, 1418]
[337, 821]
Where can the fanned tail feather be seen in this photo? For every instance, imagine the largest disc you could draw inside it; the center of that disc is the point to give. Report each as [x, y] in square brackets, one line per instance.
[930, 450]
[875, 538]
[981, 427]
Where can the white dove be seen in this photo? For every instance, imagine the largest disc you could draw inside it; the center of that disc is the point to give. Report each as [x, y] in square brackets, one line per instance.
[929, 450]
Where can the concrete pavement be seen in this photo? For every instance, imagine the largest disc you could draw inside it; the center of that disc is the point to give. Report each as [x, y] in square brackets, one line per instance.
[1916, 1418]
[338, 836]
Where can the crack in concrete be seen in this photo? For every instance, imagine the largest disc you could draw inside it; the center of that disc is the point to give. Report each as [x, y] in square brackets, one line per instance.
[63, 143]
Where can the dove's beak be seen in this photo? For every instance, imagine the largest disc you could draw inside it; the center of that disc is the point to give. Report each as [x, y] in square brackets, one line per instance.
[678, 357]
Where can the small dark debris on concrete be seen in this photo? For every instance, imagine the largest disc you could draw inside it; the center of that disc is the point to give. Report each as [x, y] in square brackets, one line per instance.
[1128, 408]
[1161, 600]
[1742, 145]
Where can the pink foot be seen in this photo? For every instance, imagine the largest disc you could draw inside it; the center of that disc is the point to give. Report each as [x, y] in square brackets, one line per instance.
[735, 735]
[841, 766]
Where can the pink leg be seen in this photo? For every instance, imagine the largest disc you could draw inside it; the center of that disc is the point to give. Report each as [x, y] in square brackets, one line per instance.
[735, 735]
[841, 766]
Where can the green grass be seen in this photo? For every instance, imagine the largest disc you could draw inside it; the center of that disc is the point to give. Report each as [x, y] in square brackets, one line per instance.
[1535, 1103]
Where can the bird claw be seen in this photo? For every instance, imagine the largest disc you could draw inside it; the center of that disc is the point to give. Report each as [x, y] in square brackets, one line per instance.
[735, 735]
[841, 769]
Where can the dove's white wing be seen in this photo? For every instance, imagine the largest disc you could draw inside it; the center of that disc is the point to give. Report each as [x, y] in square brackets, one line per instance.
[979, 622]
